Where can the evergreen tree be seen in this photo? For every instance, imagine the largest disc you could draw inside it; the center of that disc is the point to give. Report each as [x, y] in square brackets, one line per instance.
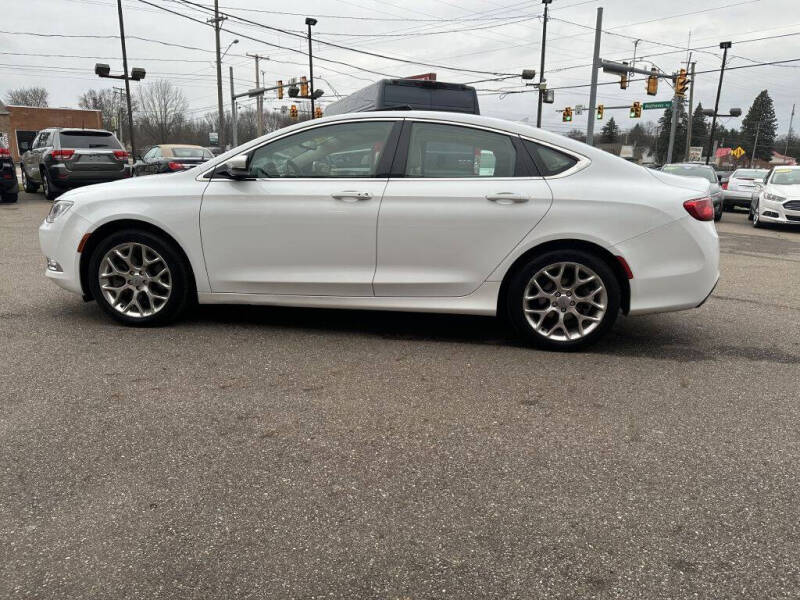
[664, 124]
[610, 132]
[761, 118]
[700, 127]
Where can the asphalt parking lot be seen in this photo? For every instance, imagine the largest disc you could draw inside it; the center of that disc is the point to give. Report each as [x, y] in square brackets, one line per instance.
[288, 453]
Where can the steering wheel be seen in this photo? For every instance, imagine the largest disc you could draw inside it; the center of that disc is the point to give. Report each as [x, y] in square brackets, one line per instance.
[292, 170]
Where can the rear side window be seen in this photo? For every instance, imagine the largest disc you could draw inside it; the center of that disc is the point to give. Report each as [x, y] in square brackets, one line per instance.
[88, 139]
[452, 151]
[191, 153]
[549, 161]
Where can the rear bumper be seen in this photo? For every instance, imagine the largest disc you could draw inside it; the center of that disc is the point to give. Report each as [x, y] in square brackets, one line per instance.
[674, 267]
[66, 178]
[9, 185]
[737, 198]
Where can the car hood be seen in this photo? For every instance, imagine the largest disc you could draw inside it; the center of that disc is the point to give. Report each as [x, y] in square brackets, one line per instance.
[787, 191]
[695, 184]
[122, 188]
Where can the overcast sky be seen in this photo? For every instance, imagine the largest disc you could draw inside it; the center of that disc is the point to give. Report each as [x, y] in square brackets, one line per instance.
[487, 37]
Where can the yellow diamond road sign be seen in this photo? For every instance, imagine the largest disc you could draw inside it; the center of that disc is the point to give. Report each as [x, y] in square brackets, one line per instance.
[738, 152]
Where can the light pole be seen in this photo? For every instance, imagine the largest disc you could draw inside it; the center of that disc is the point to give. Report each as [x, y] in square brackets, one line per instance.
[724, 46]
[236, 41]
[137, 74]
[217, 23]
[541, 64]
[310, 22]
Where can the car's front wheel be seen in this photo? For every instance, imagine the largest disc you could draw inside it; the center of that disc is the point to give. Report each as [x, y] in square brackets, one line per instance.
[563, 300]
[756, 219]
[139, 278]
[28, 185]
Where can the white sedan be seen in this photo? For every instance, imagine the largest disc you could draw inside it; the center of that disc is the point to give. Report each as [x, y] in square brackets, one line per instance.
[777, 200]
[411, 211]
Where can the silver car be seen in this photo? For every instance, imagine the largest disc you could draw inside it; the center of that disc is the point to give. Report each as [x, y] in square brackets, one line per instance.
[708, 173]
[741, 185]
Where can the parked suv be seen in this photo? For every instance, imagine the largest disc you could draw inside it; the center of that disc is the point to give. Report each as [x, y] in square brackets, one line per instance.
[62, 158]
[9, 188]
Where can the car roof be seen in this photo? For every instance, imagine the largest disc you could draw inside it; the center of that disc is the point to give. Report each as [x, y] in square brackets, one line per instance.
[171, 146]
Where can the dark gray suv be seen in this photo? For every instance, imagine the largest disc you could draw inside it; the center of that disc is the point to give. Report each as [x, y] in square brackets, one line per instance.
[61, 158]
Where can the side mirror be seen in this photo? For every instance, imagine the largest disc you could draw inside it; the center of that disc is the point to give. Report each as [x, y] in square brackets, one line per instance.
[235, 168]
[24, 146]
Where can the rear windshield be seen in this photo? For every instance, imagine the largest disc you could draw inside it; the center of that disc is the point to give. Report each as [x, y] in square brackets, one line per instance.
[749, 174]
[692, 171]
[191, 153]
[88, 139]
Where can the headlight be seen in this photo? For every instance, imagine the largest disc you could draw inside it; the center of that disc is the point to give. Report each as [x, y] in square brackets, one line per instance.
[773, 197]
[58, 209]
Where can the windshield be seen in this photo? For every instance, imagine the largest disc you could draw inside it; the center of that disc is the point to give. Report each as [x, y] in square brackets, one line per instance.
[706, 173]
[88, 139]
[786, 177]
[189, 152]
[750, 174]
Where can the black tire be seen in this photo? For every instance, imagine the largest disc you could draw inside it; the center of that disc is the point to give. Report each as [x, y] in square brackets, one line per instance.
[718, 214]
[28, 185]
[182, 294]
[754, 216]
[520, 279]
[10, 198]
[51, 191]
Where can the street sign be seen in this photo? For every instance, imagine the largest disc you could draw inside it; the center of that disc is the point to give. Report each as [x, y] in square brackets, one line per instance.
[652, 105]
[579, 109]
[695, 153]
[738, 152]
[213, 137]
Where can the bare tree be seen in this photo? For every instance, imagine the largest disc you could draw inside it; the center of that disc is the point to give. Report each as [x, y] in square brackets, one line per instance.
[28, 96]
[111, 105]
[162, 111]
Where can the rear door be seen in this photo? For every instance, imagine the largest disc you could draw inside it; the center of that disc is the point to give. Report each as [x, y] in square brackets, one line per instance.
[459, 200]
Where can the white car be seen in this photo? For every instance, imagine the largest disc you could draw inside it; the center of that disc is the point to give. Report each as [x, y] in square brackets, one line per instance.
[443, 212]
[777, 200]
[738, 191]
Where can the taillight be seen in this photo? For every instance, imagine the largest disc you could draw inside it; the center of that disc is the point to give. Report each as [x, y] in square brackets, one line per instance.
[120, 154]
[175, 166]
[701, 209]
[62, 154]
[4, 152]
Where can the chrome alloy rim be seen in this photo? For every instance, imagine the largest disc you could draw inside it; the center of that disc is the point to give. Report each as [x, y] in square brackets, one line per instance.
[565, 301]
[135, 279]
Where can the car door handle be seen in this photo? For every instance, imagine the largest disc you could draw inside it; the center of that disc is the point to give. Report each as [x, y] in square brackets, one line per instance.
[507, 198]
[350, 195]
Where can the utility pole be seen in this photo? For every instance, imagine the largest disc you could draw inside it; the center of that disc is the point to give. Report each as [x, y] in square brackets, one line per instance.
[673, 126]
[595, 68]
[755, 144]
[724, 46]
[691, 108]
[234, 117]
[259, 98]
[310, 22]
[541, 65]
[217, 21]
[789, 133]
[125, 74]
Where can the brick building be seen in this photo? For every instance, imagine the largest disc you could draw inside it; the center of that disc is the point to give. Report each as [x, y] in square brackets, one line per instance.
[21, 123]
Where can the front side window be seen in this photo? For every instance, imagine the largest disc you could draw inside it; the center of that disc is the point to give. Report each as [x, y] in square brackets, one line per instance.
[549, 160]
[449, 151]
[345, 150]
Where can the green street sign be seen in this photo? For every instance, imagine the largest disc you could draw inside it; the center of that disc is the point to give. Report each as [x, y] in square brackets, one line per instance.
[651, 105]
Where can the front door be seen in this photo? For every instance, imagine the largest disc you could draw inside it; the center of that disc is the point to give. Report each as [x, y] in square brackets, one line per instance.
[466, 198]
[306, 222]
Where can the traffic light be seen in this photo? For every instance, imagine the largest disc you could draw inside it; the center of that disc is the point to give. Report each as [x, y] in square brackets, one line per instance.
[280, 89]
[566, 115]
[652, 83]
[681, 83]
[636, 110]
[304, 87]
[293, 111]
[600, 110]
[318, 112]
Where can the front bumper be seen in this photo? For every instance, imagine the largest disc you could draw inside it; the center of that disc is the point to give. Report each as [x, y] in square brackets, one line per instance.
[59, 243]
[674, 267]
[770, 211]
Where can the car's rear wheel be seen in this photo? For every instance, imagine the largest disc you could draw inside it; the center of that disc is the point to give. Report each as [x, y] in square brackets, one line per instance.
[563, 300]
[28, 185]
[51, 191]
[139, 278]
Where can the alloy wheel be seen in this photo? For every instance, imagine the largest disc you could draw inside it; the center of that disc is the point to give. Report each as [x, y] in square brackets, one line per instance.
[135, 279]
[565, 301]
